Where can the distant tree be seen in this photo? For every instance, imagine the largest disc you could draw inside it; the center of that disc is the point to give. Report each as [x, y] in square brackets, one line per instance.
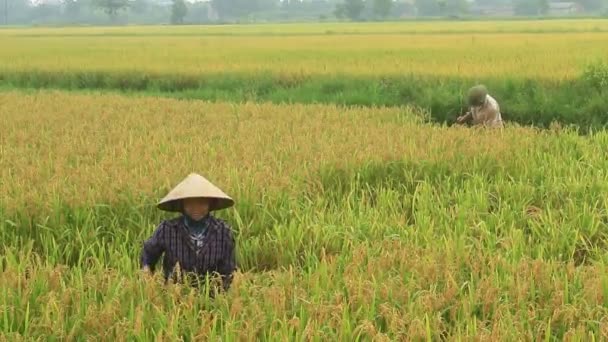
[453, 7]
[179, 10]
[592, 5]
[71, 8]
[240, 8]
[441, 7]
[15, 11]
[44, 13]
[531, 7]
[427, 7]
[382, 8]
[493, 2]
[139, 6]
[226, 8]
[353, 8]
[543, 6]
[339, 11]
[111, 7]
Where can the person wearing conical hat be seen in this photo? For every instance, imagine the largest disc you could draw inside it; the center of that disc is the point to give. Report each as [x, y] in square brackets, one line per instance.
[196, 240]
[483, 109]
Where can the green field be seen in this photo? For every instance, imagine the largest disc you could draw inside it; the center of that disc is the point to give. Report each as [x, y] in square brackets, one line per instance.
[360, 215]
[540, 71]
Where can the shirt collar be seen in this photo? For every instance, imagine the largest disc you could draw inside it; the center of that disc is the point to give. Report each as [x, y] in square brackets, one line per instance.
[207, 222]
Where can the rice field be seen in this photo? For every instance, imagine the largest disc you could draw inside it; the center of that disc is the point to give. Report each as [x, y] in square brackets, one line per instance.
[405, 27]
[352, 223]
[554, 50]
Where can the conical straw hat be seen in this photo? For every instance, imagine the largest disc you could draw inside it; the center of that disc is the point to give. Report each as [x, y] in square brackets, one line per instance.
[195, 185]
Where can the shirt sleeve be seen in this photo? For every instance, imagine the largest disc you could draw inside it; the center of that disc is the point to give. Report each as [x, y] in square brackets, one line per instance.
[228, 264]
[153, 248]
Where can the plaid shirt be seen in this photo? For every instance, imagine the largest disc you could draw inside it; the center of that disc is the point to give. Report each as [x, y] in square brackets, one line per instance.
[172, 238]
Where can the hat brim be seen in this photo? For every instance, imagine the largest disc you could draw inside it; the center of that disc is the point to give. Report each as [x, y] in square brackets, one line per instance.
[195, 186]
[176, 204]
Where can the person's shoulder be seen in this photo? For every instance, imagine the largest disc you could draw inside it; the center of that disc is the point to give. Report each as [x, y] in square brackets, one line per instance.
[220, 223]
[222, 226]
[492, 102]
[168, 223]
[492, 99]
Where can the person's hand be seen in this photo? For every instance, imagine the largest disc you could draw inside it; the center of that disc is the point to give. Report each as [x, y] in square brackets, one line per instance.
[461, 119]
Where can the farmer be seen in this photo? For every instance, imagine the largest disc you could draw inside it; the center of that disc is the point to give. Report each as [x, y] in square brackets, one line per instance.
[200, 243]
[483, 109]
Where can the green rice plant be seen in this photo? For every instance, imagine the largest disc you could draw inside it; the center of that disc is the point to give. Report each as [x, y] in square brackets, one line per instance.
[351, 223]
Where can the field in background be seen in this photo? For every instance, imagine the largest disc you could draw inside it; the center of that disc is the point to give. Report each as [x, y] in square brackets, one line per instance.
[365, 221]
[350, 222]
[411, 27]
[477, 49]
[540, 72]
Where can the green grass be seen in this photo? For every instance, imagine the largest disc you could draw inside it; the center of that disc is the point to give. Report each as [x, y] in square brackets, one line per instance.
[351, 224]
[581, 103]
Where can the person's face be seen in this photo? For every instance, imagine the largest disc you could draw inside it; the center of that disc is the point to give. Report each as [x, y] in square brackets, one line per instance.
[196, 208]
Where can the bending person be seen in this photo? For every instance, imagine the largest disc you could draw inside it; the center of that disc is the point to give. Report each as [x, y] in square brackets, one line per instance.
[483, 109]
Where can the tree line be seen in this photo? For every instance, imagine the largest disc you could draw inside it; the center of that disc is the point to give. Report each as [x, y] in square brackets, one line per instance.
[25, 12]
